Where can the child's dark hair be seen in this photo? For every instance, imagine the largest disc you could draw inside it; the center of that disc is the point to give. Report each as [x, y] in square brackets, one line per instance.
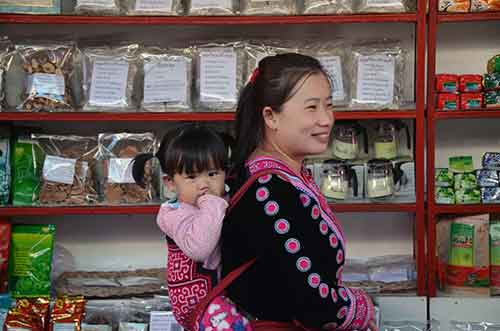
[273, 84]
[189, 149]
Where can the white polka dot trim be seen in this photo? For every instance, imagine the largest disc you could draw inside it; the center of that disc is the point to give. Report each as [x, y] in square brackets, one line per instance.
[340, 256]
[314, 280]
[262, 194]
[303, 264]
[265, 179]
[271, 208]
[292, 246]
[282, 226]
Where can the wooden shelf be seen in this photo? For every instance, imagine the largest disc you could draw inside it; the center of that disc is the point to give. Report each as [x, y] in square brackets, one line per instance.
[206, 20]
[467, 17]
[467, 209]
[182, 116]
[482, 113]
[153, 209]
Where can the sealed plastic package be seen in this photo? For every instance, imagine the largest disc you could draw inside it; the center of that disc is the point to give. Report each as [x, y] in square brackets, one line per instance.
[154, 7]
[110, 78]
[219, 77]
[167, 77]
[323, 7]
[474, 326]
[377, 75]
[268, 7]
[255, 52]
[97, 7]
[212, 7]
[385, 6]
[115, 155]
[48, 71]
[67, 173]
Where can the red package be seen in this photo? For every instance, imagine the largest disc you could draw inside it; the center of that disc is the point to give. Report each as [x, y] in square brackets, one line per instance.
[67, 313]
[471, 83]
[471, 100]
[4, 256]
[30, 314]
[448, 101]
[447, 83]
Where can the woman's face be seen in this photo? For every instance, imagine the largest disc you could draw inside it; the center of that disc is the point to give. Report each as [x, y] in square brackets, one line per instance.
[303, 126]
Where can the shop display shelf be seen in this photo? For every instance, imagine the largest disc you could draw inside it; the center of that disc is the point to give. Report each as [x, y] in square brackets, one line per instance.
[206, 20]
[480, 113]
[180, 116]
[467, 209]
[153, 209]
[467, 17]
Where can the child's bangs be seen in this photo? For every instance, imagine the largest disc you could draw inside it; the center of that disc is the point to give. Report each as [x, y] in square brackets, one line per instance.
[200, 158]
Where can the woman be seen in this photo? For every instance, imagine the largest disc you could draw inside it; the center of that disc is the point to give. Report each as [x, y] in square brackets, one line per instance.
[284, 114]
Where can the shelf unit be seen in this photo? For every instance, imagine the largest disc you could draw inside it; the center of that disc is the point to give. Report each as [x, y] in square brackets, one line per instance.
[434, 115]
[415, 113]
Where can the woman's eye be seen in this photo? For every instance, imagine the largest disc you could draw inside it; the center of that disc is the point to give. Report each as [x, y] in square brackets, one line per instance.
[330, 105]
[311, 107]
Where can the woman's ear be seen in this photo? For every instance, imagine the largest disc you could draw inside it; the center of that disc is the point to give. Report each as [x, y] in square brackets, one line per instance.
[270, 118]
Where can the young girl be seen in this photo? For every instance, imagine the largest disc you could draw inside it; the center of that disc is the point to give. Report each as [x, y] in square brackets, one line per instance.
[193, 160]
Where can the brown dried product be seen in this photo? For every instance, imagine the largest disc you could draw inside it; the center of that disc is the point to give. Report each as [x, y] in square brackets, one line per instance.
[68, 170]
[48, 83]
[116, 152]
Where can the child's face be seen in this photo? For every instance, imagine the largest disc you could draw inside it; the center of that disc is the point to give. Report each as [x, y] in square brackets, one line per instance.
[189, 187]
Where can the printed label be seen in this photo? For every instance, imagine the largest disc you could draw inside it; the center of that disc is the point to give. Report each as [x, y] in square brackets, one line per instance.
[59, 169]
[218, 76]
[386, 150]
[98, 3]
[166, 81]
[47, 85]
[333, 66]
[375, 79]
[109, 80]
[462, 245]
[211, 3]
[120, 171]
[153, 5]
[96, 327]
[125, 326]
[27, 3]
[163, 321]
[383, 3]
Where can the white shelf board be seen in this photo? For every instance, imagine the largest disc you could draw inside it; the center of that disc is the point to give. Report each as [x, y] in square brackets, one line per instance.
[402, 308]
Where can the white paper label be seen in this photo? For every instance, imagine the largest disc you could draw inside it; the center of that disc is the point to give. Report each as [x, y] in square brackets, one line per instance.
[211, 3]
[64, 327]
[96, 327]
[125, 326]
[218, 76]
[383, 3]
[163, 321]
[99, 3]
[120, 171]
[375, 79]
[333, 66]
[59, 169]
[153, 5]
[109, 80]
[50, 85]
[166, 81]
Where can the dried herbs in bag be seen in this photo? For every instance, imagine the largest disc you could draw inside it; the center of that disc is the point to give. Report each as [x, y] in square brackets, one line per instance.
[268, 7]
[67, 172]
[48, 70]
[323, 7]
[116, 152]
[97, 7]
[110, 76]
[155, 7]
[212, 7]
[255, 52]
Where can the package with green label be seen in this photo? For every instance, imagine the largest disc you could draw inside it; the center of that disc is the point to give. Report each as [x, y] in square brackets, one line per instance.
[5, 172]
[492, 99]
[462, 245]
[27, 161]
[491, 81]
[465, 180]
[468, 196]
[444, 177]
[495, 257]
[445, 195]
[30, 260]
[460, 164]
[494, 64]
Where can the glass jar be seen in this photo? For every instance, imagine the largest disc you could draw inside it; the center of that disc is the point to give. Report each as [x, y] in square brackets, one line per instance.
[379, 179]
[336, 178]
[346, 140]
[386, 139]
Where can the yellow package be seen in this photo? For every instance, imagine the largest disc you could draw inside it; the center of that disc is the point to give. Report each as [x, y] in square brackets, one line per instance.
[454, 6]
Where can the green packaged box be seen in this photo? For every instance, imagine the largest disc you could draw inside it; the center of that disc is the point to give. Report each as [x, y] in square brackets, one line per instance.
[492, 81]
[30, 260]
[468, 196]
[27, 161]
[465, 181]
[445, 195]
[444, 178]
[5, 174]
[461, 245]
[31, 6]
[460, 164]
[492, 99]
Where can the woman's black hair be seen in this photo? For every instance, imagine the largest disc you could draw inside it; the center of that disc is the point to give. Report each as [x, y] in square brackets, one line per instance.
[190, 148]
[274, 84]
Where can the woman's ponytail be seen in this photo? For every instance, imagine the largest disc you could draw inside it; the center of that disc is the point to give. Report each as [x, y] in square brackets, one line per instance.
[138, 167]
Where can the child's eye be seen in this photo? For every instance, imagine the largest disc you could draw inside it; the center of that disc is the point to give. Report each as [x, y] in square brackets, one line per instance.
[213, 173]
[191, 176]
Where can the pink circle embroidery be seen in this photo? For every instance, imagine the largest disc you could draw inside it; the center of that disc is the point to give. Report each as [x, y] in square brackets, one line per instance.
[262, 194]
[340, 256]
[343, 293]
[342, 312]
[314, 279]
[334, 241]
[305, 199]
[330, 326]
[303, 264]
[323, 290]
[292, 245]
[334, 295]
[323, 228]
[281, 226]
[339, 272]
[271, 208]
[315, 212]
[264, 179]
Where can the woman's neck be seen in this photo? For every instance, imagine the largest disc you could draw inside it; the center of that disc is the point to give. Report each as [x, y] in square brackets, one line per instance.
[273, 150]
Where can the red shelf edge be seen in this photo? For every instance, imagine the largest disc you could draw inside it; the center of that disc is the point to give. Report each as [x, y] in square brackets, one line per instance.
[355, 114]
[464, 17]
[466, 209]
[191, 20]
[482, 113]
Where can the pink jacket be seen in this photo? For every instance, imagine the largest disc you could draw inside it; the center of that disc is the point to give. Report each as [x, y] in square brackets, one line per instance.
[195, 229]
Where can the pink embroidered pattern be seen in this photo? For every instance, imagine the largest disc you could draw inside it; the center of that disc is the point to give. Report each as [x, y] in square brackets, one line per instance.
[315, 213]
[323, 228]
[340, 256]
[262, 194]
[334, 242]
[271, 208]
[364, 310]
[323, 290]
[265, 179]
[342, 312]
[292, 246]
[305, 199]
[334, 295]
[314, 280]
[281, 226]
[343, 293]
[303, 264]
[330, 326]
[339, 272]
